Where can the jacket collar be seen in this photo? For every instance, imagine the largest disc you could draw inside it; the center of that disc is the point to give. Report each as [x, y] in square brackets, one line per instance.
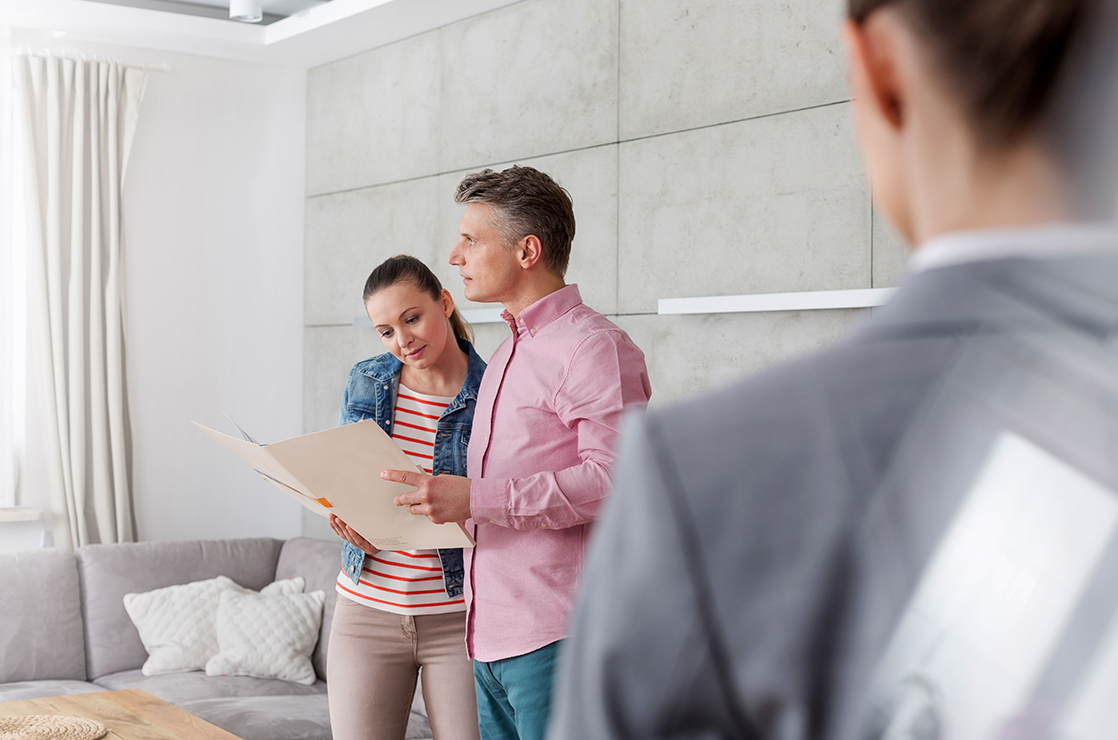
[1077, 291]
[385, 368]
[1052, 241]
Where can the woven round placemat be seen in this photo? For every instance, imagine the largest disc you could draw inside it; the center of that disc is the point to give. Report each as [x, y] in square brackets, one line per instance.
[50, 727]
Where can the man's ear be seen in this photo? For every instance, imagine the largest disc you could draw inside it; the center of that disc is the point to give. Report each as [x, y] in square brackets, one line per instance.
[529, 251]
[871, 49]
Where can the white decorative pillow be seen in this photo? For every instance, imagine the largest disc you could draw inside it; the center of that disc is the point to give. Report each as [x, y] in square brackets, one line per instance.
[178, 624]
[267, 635]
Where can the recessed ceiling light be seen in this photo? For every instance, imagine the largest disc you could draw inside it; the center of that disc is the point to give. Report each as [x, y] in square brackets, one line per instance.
[247, 11]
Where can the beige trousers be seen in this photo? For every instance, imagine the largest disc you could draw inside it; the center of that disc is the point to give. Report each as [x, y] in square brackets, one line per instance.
[372, 663]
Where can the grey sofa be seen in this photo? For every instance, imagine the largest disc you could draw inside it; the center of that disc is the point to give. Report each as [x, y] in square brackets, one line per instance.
[64, 630]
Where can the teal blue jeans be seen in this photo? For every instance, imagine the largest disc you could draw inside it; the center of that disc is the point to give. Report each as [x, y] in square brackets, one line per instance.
[514, 695]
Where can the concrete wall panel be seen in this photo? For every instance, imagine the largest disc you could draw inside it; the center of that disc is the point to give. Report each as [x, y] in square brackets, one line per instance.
[374, 118]
[771, 205]
[706, 144]
[590, 176]
[350, 233]
[533, 78]
[689, 354]
[330, 353]
[890, 254]
[694, 63]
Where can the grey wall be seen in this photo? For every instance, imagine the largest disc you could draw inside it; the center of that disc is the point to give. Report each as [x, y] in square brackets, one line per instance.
[707, 145]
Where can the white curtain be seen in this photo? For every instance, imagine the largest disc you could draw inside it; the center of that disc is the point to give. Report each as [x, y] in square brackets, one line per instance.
[78, 120]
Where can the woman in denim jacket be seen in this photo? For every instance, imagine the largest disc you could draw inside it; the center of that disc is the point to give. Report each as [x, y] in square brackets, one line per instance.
[399, 611]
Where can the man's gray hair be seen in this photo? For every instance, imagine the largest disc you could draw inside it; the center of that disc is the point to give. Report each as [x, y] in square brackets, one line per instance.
[527, 202]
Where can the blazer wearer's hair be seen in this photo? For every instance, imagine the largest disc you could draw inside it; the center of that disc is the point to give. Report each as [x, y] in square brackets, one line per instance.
[1002, 58]
[526, 202]
[404, 267]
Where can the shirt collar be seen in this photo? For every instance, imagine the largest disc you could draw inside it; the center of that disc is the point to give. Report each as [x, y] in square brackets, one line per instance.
[1042, 242]
[544, 311]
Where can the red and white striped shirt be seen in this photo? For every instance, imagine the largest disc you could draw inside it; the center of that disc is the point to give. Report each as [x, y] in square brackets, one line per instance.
[407, 581]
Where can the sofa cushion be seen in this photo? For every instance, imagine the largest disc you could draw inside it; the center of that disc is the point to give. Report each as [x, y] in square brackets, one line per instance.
[40, 617]
[108, 572]
[268, 635]
[319, 562]
[178, 688]
[268, 717]
[178, 624]
[21, 690]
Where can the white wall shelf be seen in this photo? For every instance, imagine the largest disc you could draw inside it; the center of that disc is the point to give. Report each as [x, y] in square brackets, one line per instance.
[803, 301]
[813, 300]
[483, 315]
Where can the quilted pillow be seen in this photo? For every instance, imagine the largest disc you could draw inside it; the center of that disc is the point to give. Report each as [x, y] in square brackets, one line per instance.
[267, 635]
[178, 624]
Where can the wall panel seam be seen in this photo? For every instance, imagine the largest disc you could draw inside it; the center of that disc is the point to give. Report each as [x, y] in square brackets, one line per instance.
[589, 147]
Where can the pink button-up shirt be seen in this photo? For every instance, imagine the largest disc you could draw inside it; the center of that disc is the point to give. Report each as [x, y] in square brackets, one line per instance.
[548, 416]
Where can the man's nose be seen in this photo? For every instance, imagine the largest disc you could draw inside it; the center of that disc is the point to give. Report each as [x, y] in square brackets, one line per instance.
[455, 257]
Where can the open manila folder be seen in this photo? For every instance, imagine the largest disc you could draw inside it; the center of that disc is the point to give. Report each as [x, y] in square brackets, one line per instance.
[338, 471]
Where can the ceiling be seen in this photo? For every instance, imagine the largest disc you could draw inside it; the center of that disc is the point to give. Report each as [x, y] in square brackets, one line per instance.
[274, 10]
[297, 33]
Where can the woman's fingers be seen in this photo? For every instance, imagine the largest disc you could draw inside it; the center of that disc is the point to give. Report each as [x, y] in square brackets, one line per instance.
[361, 542]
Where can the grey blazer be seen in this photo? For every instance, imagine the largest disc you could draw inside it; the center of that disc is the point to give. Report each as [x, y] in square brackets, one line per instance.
[764, 541]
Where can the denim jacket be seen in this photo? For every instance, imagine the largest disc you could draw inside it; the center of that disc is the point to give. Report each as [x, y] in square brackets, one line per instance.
[370, 393]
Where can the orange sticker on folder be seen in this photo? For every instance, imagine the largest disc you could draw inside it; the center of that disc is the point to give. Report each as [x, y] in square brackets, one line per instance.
[325, 503]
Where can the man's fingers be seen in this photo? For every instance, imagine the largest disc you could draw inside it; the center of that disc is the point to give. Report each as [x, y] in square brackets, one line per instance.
[414, 503]
[407, 499]
[406, 477]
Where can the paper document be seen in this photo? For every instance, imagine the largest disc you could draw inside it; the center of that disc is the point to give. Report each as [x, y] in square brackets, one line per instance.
[338, 471]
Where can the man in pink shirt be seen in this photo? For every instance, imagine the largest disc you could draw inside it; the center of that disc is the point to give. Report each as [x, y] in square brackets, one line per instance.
[548, 416]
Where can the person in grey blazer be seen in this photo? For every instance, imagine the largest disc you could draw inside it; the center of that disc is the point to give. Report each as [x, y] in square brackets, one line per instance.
[913, 533]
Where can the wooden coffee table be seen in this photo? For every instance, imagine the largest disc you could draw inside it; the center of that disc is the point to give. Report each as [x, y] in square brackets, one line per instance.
[130, 715]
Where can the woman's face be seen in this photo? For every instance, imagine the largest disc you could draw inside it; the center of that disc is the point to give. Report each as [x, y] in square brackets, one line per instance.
[412, 325]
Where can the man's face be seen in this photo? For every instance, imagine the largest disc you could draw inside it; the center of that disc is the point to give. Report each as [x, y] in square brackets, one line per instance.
[490, 270]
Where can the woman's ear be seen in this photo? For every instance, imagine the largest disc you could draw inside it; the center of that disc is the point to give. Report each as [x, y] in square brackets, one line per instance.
[871, 50]
[874, 49]
[447, 301]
